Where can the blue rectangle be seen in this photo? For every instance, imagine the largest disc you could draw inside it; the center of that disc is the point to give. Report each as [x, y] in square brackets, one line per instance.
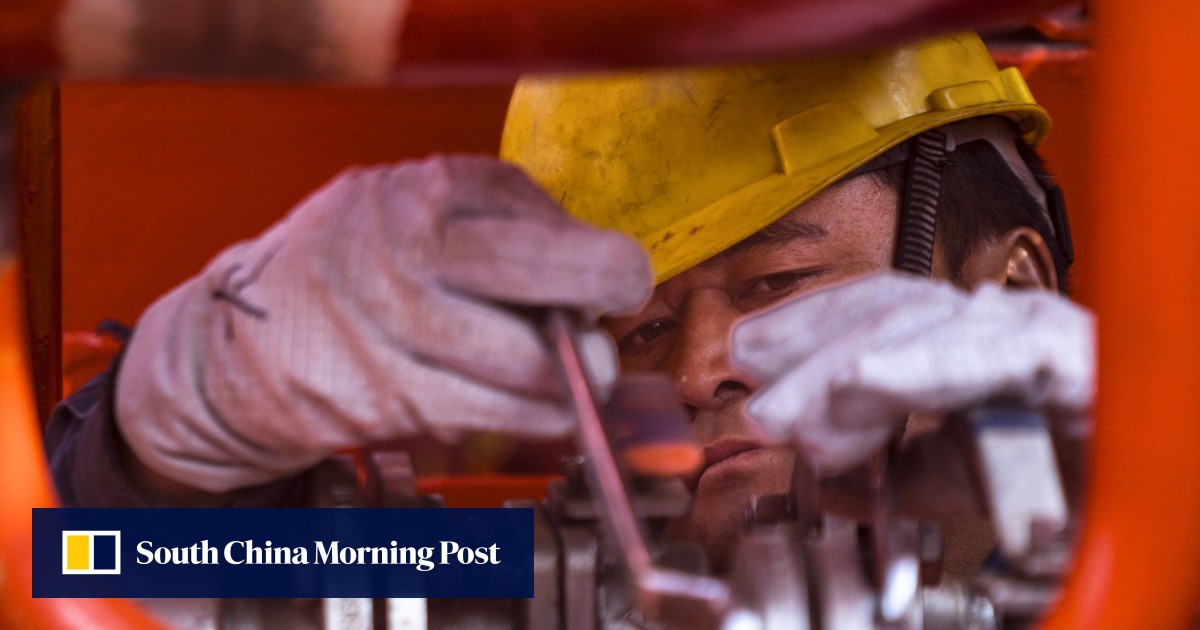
[235, 553]
[104, 552]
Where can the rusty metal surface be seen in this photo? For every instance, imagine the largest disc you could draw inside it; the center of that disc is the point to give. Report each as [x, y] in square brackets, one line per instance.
[37, 151]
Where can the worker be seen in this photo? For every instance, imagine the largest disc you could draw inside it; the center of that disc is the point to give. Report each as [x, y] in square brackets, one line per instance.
[733, 226]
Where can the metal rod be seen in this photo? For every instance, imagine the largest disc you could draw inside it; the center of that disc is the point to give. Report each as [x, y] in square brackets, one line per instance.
[653, 583]
[618, 512]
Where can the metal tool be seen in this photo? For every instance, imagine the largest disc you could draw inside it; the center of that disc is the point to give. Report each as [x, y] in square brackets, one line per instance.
[657, 589]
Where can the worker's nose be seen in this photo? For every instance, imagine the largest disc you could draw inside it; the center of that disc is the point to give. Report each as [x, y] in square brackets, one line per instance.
[700, 364]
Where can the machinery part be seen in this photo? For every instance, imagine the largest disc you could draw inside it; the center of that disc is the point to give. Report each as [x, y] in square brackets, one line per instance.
[256, 614]
[334, 483]
[1016, 599]
[954, 606]
[899, 580]
[806, 495]
[769, 581]
[580, 565]
[253, 614]
[1017, 469]
[788, 574]
[545, 608]
[886, 574]
[390, 481]
[657, 498]
[929, 551]
[190, 614]
[894, 554]
[793, 575]
[404, 613]
[240, 614]
[347, 613]
[794, 129]
[847, 599]
[785, 580]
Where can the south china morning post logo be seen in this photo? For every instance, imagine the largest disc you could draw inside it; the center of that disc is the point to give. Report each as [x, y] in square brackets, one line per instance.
[91, 552]
[314, 552]
[251, 552]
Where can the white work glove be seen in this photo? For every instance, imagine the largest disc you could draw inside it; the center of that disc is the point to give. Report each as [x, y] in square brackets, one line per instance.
[842, 368]
[393, 301]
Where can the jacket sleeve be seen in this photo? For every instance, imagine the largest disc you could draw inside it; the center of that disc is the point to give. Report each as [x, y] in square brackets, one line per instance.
[86, 455]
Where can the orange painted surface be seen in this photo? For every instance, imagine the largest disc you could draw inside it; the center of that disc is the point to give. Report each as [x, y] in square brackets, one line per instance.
[157, 178]
[27, 485]
[1140, 554]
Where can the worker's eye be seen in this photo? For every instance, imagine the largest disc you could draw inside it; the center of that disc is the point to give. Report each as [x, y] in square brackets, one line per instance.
[765, 289]
[779, 281]
[645, 334]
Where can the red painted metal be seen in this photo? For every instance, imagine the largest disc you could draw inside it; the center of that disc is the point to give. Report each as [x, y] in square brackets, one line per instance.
[473, 40]
[27, 36]
[533, 33]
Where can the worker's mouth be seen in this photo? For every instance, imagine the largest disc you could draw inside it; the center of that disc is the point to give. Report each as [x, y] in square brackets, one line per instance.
[723, 453]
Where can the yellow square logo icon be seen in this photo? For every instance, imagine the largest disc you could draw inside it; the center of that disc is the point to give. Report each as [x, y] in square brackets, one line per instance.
[91, 552]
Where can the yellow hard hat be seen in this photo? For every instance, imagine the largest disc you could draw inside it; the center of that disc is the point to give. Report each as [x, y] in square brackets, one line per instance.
[691, 161]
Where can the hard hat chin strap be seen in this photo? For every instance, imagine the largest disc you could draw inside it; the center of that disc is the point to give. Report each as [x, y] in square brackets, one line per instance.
[927, 154]
[918, 210]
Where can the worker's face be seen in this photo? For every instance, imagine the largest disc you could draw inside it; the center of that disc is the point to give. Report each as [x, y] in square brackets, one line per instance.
[684, 331]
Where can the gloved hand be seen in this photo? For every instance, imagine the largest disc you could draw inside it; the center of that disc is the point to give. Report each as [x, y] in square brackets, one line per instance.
[842, 368]
[393, 301]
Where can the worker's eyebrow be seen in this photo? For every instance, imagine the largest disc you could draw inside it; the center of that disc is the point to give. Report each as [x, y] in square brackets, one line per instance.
[782, 231]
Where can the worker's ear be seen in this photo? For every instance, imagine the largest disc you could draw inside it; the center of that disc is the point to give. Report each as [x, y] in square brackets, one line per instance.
[1018, 258]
